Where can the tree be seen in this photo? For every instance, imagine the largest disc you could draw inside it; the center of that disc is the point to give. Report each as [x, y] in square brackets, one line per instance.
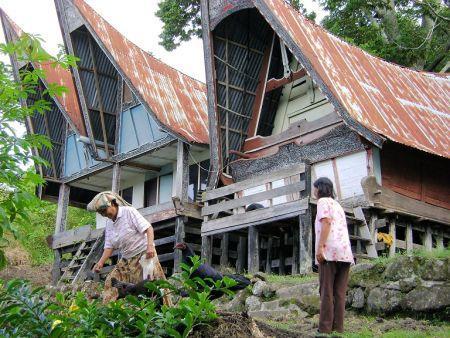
[411, 33]
[182, 20]
[17, 181]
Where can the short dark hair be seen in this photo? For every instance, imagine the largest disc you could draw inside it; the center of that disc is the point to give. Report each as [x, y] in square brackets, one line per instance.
[324, 187]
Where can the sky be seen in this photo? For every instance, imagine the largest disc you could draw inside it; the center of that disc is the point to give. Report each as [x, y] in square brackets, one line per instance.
[133, 18]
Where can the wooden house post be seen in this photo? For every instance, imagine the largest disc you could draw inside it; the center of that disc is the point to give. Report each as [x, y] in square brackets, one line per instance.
[60, 226]
[305, 228]
[115, 186]
[253, 249]
[181, 191]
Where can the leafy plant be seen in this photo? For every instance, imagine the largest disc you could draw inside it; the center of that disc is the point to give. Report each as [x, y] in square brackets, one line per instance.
[29, 313]
[16, 151]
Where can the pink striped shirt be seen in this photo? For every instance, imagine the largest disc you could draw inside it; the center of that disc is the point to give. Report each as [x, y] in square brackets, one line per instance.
[127, 232]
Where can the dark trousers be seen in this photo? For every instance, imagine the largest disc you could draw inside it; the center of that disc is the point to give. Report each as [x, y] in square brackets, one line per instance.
[333, 279]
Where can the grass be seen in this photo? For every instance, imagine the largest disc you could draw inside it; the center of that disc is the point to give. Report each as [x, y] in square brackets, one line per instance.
[436, 253]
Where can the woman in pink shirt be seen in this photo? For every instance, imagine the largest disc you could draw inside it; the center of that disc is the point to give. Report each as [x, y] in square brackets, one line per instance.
[333, 256]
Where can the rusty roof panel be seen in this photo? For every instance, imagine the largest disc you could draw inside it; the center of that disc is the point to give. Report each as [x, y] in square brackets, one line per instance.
[68, 101]
[403, 105]
[177, 100]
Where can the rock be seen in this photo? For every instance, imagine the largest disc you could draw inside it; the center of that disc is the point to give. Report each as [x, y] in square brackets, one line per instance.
[407, 284]
[268, 291]
[404, 267]
[237, 304]
[366, 275]
[358, 299]
[290, 312]
[391, 286]
[298, 291]
[270, 306]
[258, 288]
[252, 303]
[435, 269]
[427, 299]
[361, 267]
[382, 300]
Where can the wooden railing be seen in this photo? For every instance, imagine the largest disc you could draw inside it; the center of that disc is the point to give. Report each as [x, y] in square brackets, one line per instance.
[282, 195]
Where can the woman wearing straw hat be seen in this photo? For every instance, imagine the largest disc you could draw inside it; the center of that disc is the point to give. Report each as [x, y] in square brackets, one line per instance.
[129, 232]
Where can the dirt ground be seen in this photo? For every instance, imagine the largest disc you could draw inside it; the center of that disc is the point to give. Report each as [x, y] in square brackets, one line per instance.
[19, 266]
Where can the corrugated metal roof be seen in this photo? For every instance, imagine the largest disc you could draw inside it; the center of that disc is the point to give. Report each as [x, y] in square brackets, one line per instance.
[61, 76]
[177, 100]
[403, 105]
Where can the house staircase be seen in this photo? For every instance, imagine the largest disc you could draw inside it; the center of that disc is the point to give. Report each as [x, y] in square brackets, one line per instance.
[360, 237]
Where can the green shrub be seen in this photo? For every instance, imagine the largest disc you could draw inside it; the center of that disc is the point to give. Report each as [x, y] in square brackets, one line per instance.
[29, 313]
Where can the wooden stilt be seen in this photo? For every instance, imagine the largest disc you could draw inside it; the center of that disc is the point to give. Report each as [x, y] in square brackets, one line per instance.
[207, 248]
[428, 242]
[393, 246]
[253, 249]
[179, 237]
[242, 253]
[60, 226]
[409, 238]
[305, 242]
[295, 250]
[282, 265]
[269, 255]
[115, 187]
[224, 250]
[440, 240]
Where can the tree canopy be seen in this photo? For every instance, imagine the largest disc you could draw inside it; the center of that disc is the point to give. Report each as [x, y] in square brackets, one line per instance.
[412, 33]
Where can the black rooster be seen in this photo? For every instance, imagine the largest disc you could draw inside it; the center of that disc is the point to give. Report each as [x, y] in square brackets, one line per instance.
[206, 271]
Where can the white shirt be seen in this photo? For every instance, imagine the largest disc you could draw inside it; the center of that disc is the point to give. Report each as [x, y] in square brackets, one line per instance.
[127, 232]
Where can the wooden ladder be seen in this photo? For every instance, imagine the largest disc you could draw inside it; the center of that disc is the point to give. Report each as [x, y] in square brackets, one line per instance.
[87, 253]
[363, 233]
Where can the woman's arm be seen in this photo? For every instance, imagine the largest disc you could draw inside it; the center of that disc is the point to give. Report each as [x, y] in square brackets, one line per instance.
[325, 231]
[151, 252]
[106, 254]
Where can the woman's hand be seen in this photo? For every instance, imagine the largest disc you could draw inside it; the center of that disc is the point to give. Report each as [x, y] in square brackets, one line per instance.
[321, 255]
[98, 266]
[151, 252]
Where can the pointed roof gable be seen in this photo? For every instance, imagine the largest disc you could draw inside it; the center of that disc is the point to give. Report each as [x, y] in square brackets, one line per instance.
[177, 100]
[67, 102]
[403, 105]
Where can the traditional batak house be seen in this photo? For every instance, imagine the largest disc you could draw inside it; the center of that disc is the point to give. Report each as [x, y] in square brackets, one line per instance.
[129, 123]
[289, 102]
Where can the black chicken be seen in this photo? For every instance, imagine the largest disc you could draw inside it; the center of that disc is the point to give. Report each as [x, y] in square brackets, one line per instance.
[206, 271]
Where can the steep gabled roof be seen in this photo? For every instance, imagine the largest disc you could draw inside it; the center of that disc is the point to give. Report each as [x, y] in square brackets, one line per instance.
[177, 100]
[403, 105]
[67, 102]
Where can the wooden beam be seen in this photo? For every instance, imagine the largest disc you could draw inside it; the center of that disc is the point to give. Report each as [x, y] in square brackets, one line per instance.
[63, 208]
[253, 249]
[293, 170]
[258, 197]
[261, 89]
[255, 217]
[384, 198]
[295, 249]
[141, 166]
[273, 84]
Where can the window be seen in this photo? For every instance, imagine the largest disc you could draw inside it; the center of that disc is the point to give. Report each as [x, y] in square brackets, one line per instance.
[198, 179]
[127, 194]
[158, 190]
